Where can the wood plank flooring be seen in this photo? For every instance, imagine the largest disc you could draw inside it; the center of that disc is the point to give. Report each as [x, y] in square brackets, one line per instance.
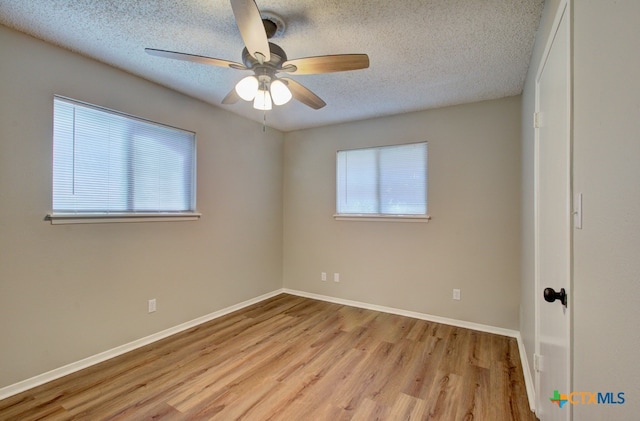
[292, 358]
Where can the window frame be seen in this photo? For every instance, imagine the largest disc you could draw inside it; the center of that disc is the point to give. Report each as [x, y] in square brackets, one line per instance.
[108, 216]
[377, 216]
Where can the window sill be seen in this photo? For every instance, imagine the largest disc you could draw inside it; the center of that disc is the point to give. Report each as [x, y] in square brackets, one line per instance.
[105, 218]
[382, 218]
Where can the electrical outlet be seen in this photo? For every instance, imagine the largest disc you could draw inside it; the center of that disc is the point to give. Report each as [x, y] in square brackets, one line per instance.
[456, 294]
[336, 277]
[323, 276]
[152, 305]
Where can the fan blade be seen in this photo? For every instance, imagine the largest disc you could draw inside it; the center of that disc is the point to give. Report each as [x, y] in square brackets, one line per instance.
[231, 98]
[194, 58]
[251, 28]
[303, 94]
[327, 64]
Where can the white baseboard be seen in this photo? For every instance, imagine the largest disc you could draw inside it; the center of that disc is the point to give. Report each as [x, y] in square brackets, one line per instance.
[528, 380]
[57, 373]
[413, 314]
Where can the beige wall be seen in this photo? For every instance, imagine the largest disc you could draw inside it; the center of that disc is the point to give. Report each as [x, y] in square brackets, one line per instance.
[472, 242]
[606, 137]
[69, 292]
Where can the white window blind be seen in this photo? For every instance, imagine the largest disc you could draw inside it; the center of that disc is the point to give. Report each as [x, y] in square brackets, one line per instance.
[388, 181]
[105, 162]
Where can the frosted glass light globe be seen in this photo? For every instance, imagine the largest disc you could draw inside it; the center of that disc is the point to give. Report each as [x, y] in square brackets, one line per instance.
[247, 88]
[280, 93]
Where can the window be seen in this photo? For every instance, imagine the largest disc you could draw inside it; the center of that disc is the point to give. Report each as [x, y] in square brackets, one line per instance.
[383, 182]
[108, 165]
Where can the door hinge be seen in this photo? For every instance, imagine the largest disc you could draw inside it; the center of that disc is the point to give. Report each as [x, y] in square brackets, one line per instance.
[537, 362]
[577, 212]
[536, 120]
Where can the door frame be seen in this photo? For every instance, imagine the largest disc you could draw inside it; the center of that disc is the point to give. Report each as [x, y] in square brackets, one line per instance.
[564, 9]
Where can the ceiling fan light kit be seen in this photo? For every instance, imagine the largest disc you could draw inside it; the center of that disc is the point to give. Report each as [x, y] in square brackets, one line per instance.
[252, 88]
[266, 60]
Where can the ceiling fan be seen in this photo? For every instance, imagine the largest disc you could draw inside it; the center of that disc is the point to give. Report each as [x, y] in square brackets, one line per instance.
[267, 60]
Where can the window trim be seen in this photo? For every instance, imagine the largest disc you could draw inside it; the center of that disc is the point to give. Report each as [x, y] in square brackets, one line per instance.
[373, 217]
[62, 218]
[102, 218]
[380, 217]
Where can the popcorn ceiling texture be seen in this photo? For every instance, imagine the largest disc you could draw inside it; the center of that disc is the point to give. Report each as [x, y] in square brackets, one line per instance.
[424, 53]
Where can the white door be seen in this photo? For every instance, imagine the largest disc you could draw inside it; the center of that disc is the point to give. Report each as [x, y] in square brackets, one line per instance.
[553, 225]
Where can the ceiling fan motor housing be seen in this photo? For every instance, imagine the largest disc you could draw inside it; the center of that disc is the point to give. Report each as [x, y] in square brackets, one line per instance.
[278, 56]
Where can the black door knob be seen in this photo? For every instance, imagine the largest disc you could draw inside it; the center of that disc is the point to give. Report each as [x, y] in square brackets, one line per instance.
[550, 296]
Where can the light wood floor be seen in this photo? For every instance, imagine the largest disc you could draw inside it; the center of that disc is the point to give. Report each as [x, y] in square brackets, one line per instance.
[291, 358]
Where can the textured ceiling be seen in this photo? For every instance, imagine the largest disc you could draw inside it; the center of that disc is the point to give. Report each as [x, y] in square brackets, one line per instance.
[424, 53]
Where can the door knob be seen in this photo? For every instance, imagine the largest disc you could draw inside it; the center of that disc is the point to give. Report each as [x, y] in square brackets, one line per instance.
[550, 296]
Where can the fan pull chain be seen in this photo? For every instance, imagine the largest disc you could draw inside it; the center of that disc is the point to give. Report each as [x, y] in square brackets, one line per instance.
[264, 121]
